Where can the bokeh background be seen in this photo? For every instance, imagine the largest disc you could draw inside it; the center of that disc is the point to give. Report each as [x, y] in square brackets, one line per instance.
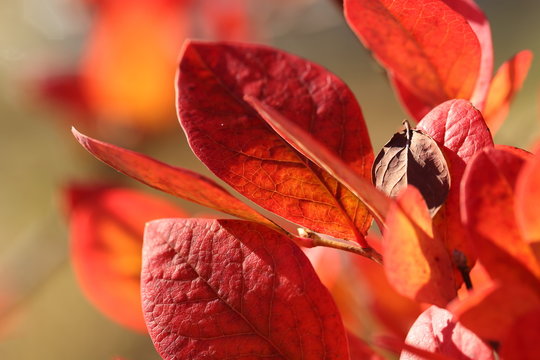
[43, 314]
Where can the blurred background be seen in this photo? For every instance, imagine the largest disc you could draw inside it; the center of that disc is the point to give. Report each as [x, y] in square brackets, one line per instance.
[72, 62]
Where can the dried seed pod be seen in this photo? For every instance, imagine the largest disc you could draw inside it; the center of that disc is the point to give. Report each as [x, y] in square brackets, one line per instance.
[412, 157]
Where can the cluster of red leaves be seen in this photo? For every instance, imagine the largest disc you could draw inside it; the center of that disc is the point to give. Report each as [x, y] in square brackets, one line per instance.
[290, 136]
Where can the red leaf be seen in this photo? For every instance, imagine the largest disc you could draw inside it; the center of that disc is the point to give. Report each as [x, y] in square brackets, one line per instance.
[392, 310]
[173, 180]
[271, 305]
[523, 337]
[490, 311]
[425, 45]
[129, 61]
[106, 231]
[360, 350]
[435, 332]
[375, 200]
[417, 265]
[459, 128]
[504, 87]
[527, 200]
[487, 205]
[236, 144]
[480, 25]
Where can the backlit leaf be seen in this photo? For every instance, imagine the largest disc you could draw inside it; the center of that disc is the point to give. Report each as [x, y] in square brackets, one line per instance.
[272, 305]
[417, 265]
[528, 201]
[487, 205]
[480, 25]
[321, 155]
[459, 129]
[228, 135]
[425, 45]
[170, 179]
[413, 158]
[490, 311]
[504, 87]
[106, 232]
[436, 332]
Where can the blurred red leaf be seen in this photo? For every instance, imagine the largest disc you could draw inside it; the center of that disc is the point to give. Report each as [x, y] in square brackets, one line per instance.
[375, 200]
[416, 264]
[487, 204]
[528, 200]
[130, 59]
[523, 338]
[236, 144]
[459, 128]
[173, 180]
[272, 304]
[491, 310]
[360, 350]
[505, 85]
[428, 48]
[106, 232]
[392, 310]
[435, 332]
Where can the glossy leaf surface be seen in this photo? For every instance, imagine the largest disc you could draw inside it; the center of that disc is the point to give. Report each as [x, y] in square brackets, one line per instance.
[272, 305]
[106, 232]
[413, 158]
[173, 180]
[417, 265]
[459, 129]
[435, 332]
[487, 204]
[228, 135]
[428, 47]
[504, 87]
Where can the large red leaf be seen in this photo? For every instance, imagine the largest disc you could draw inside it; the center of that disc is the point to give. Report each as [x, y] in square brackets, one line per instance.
[480, 25]
[435, 332]
[416, 264]
[487, 204]
[490, 311]
[425, 45]
[173, 180]
[236, 144]
[459, 128]
[375, 200]
[106, 232]
[227, 289]
[504, 87]
[523, 337]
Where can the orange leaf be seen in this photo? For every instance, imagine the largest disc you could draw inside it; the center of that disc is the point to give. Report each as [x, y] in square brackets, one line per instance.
[417, 265]
[528, 200]
[505, 85]
[491, 310]
[428, 47]
[173, 180]
[487, 204]
[130, 60]
[106, 232]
